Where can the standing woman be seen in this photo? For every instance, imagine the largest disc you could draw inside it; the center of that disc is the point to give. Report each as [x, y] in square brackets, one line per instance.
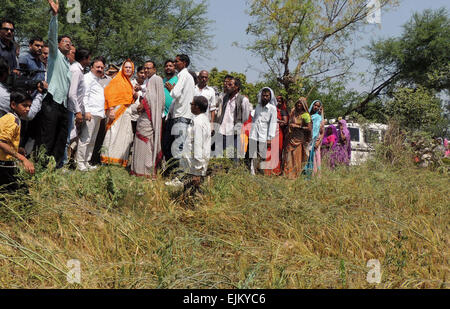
[119, 95]
[329, 146]
[297, 140]
[282, 126]
[344, 147]
[318, 132]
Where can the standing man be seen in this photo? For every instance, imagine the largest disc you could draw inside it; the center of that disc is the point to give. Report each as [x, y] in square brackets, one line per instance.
[71, 54]
[31, 59]
[94, 112]
[44, 58]
[202, 89]
[171, 78]
[232, 113]
[147, 153]
[264, 129]
[180, 114]
[77, 88]
[53, 121]
[104, 81]
[138, 83]
[7, 46]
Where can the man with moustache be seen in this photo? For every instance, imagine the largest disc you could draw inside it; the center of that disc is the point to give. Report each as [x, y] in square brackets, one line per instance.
[180, 115]
[7, 46]
[232, 113]
[31, 59]
[94, 112]
[147, 153]
[171, 78]
[137, 83]
[202, 89]
[44, 59]
[53, 122]
[75, 104]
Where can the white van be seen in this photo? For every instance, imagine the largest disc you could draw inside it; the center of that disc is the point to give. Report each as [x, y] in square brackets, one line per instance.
[363, 139]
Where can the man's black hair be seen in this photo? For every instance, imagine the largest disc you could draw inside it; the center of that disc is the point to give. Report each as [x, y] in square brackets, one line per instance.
[4, 66]
[237, 83]
[19, 96]
[228, 76]
[140, 68]
[194, 76]
[36, 39]
[97, 59]
[202, 103]
[185, 59]
[81, 54]
[6, 20]
[152, 62]
[167, 61]
[62, 37]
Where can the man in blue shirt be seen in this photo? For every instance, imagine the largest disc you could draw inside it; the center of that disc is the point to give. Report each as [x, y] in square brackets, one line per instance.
[30, 60]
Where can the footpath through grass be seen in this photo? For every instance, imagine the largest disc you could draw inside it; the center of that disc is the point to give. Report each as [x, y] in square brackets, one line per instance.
[245, 232]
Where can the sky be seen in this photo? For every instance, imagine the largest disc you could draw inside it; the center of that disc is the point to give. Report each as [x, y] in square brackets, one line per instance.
[230, 23]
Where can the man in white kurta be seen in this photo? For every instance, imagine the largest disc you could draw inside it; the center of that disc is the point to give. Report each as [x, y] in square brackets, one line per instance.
[197, 151]
[94, 112]
[264, 128]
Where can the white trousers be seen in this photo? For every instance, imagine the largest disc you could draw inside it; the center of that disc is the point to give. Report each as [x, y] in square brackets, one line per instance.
[86, 143]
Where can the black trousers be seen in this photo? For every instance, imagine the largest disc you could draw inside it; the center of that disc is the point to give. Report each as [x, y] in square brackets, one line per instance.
[168, 139]
[52, 130]
[96, 160]
[8, 180]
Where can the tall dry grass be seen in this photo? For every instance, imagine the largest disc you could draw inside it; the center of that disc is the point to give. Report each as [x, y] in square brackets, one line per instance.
[245, 232]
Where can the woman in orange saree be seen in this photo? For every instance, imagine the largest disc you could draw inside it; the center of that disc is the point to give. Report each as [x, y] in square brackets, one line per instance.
[119, 95]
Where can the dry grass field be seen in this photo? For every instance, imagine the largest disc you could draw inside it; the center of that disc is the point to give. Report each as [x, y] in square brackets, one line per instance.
[243, 232]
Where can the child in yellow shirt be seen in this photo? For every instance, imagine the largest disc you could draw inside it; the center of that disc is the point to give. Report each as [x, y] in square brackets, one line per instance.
[20, 103]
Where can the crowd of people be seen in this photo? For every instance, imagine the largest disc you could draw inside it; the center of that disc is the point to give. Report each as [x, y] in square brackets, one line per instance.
[79, 110]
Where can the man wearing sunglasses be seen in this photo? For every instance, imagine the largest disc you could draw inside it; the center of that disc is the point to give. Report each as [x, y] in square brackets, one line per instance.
[7, 47]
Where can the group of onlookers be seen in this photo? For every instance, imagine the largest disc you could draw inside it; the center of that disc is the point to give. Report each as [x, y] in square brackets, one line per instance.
[174, 123]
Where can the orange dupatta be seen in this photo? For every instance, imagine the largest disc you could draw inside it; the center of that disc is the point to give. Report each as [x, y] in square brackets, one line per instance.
[119, 92]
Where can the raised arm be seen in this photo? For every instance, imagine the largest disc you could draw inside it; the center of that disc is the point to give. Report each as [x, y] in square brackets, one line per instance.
[53, 29]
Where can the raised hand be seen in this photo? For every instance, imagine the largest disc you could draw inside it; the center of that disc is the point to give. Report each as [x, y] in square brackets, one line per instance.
[54, 6]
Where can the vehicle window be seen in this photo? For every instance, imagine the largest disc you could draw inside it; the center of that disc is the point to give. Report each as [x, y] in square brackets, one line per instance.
[354, 134]
[371, 136]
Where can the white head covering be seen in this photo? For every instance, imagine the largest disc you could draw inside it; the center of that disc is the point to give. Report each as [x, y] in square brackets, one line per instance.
[273, 99]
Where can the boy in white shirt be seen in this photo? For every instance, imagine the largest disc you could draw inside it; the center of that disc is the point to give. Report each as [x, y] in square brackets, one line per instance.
[197, 151]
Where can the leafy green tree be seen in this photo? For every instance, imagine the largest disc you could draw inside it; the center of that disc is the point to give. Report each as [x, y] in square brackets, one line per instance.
[419, 57]
[139, 29]
[415, 109]
[305, 39]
